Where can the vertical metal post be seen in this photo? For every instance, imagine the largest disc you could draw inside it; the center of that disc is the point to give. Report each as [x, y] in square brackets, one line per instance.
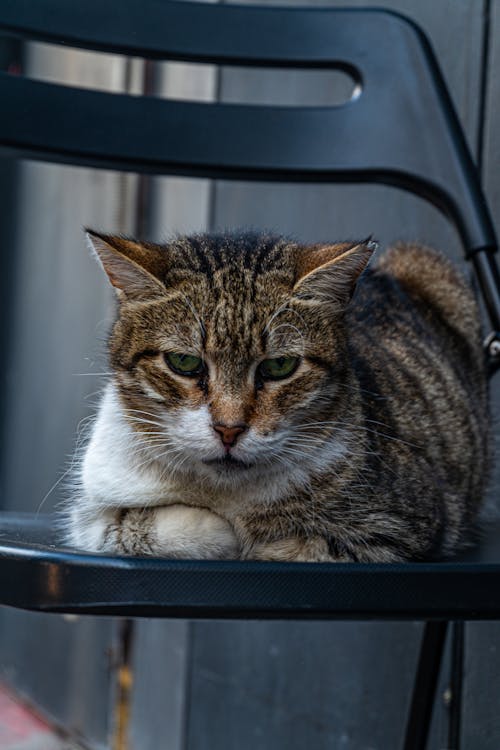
[11, 58]
[456, 684]
[424, 687]
[488, 276]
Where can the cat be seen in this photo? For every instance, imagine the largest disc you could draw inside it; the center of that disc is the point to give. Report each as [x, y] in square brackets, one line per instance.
[272, 400]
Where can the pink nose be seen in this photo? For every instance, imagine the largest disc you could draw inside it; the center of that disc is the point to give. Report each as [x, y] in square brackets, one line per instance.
[229, 433]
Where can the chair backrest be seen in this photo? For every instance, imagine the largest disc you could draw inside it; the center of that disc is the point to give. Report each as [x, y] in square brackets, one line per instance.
[401, 129]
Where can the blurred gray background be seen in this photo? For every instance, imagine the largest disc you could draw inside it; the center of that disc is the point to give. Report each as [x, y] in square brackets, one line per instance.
[212, 686]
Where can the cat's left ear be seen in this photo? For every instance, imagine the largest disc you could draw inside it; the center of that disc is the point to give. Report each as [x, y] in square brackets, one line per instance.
[329, 273]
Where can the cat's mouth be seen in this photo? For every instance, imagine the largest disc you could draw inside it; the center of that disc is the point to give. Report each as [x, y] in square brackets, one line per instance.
[228, 463]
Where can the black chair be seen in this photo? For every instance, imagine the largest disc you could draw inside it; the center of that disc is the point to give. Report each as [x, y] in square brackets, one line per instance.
[414, 142]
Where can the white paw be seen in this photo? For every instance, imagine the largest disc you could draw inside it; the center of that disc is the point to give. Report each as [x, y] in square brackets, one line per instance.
[183, 531]
[176, 531]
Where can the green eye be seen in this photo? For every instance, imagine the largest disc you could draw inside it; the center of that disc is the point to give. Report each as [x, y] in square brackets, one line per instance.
[184, 364]
[280, 367]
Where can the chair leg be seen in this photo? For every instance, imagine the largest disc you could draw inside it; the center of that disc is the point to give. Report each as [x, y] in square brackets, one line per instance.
[456, 684]
[424, 687]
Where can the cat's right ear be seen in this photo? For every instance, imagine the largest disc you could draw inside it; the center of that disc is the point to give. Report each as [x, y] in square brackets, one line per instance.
[123, 261]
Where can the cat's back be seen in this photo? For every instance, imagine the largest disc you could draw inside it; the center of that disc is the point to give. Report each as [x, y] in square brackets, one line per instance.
[415, 294]
[416, 344]
[428, 276]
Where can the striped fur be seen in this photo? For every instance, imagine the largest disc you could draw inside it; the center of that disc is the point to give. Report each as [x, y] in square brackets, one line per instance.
[374, 449]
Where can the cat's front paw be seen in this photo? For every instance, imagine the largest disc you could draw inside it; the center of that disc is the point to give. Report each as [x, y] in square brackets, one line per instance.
[186, 532]
[174, 531]
[293, 549]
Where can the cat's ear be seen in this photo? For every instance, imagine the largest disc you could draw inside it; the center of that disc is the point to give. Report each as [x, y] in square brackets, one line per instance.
[129, 265]
[329, 273]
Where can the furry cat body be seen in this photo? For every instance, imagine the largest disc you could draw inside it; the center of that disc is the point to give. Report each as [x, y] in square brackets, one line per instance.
[374, 448]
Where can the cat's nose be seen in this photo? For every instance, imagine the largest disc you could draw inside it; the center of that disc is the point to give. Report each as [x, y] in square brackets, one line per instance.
[229, 433]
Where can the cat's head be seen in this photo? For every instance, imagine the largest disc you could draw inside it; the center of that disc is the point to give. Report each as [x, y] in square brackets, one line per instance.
[229, 349]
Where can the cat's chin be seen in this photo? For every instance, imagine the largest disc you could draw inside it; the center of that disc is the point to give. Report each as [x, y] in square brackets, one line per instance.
[229, 464]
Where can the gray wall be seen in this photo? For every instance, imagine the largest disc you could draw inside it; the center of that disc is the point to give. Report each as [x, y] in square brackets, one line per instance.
[217, 686]
[59, 314]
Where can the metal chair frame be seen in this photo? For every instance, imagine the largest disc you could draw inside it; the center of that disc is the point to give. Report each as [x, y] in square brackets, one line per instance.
[414, 141]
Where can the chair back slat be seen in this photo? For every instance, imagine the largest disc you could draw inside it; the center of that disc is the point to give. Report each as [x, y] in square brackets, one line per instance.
[201, 32]
[401, 128]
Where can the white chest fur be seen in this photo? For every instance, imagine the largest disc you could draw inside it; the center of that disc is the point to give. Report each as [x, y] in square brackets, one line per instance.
[127, 501]
[116, 470]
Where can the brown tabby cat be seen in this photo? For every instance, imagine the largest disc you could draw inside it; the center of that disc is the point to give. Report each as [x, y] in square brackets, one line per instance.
[259, 410]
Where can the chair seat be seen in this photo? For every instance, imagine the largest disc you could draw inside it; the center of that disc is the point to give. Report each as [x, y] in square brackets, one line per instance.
[37, 573]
